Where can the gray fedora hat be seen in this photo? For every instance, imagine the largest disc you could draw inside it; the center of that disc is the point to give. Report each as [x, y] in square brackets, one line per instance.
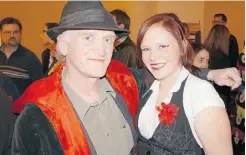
[78, 15]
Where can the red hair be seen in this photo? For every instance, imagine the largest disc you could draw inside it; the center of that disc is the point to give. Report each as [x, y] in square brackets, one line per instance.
[172, 24]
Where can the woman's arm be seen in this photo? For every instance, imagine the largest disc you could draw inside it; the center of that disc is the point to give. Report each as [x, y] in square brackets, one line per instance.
[213, 129]
[210, 120]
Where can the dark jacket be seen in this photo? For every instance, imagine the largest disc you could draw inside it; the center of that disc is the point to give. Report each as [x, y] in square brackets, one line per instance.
[8, 86]
[45, 60]
[23, 67]
[233, 51]
[8, 94]
[219, 60]
[126, 53]
[7, 120]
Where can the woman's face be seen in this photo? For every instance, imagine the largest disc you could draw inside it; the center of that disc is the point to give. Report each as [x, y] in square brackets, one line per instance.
[160, 52]
[201, 59]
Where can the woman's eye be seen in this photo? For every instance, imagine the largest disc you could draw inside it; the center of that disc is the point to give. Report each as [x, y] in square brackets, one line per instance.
[163, 46]
[145, 49]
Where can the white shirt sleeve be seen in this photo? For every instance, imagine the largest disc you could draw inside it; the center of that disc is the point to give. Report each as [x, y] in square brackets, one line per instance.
[204, 96]
[198, 95]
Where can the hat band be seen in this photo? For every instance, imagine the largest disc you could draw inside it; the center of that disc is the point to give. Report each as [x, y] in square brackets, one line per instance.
[92, 15]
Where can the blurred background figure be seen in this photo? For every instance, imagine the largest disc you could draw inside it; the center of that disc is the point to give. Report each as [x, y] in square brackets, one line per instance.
[221, 19]
[186, 31]
[125, 48]
[49, 54]
[238, 128]
[201, 58]
[8, 94]
[16, 61]
[217, 43]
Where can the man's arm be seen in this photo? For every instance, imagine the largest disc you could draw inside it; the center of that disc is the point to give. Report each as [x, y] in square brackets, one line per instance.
[223, 77]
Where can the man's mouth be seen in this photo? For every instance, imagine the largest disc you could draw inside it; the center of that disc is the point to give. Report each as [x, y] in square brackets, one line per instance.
[98, 59]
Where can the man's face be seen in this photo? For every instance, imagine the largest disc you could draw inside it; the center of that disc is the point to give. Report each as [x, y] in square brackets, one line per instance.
[88, 52]
[10, 35]
[218, 21]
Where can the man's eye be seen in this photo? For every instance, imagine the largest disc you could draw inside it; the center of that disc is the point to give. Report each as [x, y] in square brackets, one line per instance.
[108, 40]
[88, 38]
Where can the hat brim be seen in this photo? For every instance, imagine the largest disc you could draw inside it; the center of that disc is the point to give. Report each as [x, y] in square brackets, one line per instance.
[53, 33]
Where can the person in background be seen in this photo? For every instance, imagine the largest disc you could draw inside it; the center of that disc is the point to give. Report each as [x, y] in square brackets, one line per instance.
[16, 61]
[8, 94]
[238, 127]
[186, 31]
[221, 19]
[201, 58]
[49, 59]
[217, 43]
[125, 48]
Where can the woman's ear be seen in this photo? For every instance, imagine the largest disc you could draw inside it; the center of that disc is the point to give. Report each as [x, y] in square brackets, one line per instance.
[61, 45]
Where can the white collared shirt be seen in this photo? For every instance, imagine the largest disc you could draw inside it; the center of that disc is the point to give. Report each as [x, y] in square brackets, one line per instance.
[198, 94]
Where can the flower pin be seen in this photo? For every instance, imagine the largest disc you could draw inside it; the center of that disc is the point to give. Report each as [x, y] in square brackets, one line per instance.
[167, 113]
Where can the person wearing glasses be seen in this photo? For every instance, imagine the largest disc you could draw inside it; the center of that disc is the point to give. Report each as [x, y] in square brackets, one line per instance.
[221, 19]
[16, 61]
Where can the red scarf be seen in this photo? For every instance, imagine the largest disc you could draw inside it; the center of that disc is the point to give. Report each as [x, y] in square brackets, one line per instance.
[49, 96]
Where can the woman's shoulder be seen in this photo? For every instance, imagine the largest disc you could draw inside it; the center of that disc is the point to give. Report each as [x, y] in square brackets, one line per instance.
[201, 94]
[197, 83]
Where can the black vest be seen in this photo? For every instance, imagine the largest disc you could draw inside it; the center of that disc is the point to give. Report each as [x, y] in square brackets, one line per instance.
[169, 140]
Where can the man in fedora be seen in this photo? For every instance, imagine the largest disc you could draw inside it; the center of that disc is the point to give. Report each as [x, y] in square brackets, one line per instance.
[78, 111]
[88, 105]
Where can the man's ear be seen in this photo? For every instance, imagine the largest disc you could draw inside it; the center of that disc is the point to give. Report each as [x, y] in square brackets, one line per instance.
[61, 45]
[122, 26]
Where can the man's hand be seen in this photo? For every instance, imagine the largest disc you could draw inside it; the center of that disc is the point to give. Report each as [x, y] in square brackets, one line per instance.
[226, 77]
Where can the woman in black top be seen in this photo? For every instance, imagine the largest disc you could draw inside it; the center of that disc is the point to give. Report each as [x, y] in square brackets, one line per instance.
[217, 43]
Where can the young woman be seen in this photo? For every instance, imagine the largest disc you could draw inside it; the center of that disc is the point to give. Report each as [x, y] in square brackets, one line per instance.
[201, 58]
[217, 43]
[179, 114]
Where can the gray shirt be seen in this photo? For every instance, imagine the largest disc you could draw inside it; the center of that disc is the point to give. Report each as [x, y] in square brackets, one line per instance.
[106, 126]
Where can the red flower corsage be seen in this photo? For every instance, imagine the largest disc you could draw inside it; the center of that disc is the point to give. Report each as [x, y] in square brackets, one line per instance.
[167, 113]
